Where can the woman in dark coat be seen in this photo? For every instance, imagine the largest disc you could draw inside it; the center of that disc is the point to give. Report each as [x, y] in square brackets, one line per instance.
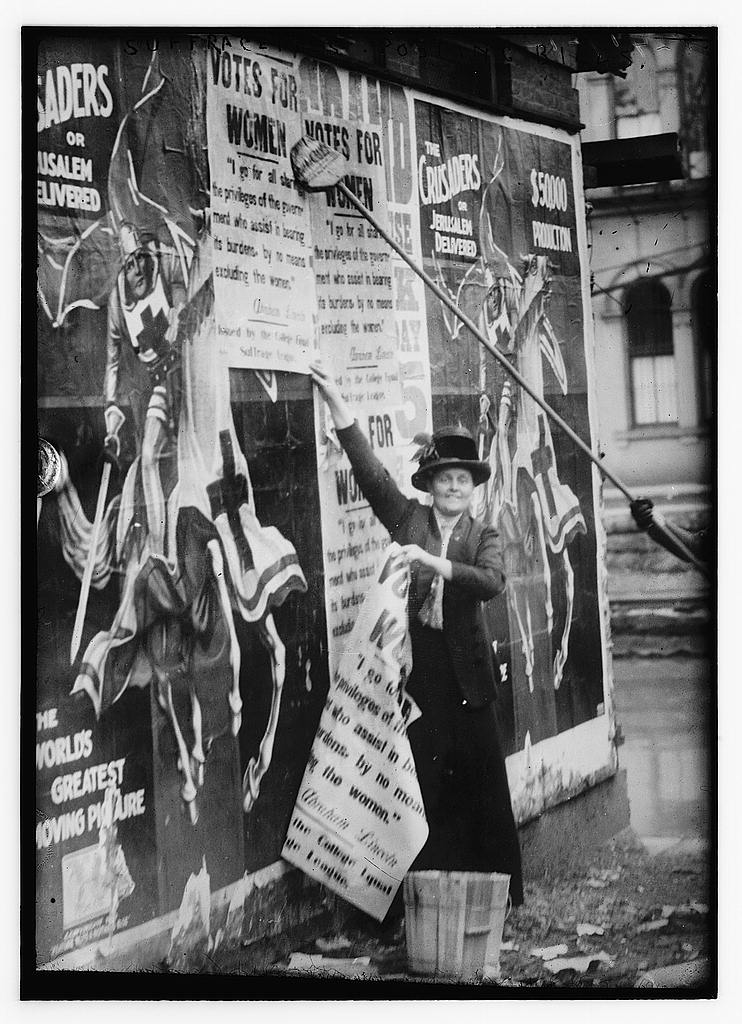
[455, 564]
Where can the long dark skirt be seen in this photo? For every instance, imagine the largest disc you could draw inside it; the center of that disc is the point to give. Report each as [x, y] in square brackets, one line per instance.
[461, 770]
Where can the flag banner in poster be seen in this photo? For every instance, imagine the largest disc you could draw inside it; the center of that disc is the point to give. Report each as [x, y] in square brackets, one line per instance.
[359, 821]
[263, 279]
[498, 232]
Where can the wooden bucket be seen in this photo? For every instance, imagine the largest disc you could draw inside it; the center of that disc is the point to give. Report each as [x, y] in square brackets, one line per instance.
[420, 890]
[500, 894]
[454, 921]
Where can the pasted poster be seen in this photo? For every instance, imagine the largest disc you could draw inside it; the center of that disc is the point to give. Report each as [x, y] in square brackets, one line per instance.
[352, 266]
[359, 820]
[263, 280]
[371, 319]
[139, 776]
[82, 107]
[498, 231]
[358, 344]
[94, 812]
[78, 106]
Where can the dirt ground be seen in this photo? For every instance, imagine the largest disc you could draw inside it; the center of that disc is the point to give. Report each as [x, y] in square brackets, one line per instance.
[654, 912]
[645, 911]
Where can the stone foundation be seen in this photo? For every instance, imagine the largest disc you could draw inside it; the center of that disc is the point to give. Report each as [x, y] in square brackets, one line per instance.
[570, 832]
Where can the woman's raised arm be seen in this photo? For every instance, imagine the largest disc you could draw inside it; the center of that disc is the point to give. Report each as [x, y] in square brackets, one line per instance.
[381, 492]
[339, 409]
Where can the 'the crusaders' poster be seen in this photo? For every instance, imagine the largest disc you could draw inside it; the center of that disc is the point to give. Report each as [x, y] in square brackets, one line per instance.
[498, 232]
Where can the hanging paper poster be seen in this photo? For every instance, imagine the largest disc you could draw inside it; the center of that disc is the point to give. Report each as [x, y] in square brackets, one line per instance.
[359, 821]
[263, 281]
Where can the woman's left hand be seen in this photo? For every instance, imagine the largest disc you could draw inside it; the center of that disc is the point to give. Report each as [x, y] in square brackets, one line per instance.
[414, 553]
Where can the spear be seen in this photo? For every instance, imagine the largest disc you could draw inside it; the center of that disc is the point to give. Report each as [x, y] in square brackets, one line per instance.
[82, 604]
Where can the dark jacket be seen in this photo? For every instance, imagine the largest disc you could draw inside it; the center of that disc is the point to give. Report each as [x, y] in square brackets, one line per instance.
[477, 570]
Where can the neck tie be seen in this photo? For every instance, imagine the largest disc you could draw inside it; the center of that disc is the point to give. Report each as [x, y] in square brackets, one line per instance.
[431, 613]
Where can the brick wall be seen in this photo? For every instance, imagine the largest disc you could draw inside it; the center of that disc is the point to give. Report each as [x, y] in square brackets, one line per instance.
[540, 86]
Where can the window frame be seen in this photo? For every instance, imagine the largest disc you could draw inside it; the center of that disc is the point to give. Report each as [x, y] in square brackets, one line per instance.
[651, 313]
[705, 389]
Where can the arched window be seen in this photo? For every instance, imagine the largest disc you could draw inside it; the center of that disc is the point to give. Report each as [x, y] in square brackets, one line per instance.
[651, 354]
[704, 322]
[636, 98]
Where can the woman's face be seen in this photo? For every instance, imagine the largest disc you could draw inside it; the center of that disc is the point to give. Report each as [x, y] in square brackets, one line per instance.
[452, 490]
[138, 269]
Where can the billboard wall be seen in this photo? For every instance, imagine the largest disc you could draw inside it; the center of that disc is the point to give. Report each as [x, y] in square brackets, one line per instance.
[185, 282]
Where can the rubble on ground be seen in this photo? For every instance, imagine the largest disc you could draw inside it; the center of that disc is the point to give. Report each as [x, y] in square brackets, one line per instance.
[627, 919]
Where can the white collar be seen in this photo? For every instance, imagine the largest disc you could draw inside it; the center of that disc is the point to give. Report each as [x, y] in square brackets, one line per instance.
[445, 523]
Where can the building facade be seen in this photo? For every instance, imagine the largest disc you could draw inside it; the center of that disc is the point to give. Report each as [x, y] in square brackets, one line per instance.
[654, 284]
[652, 257]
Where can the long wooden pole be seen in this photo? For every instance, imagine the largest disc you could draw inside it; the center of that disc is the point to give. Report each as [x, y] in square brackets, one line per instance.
[468, 322]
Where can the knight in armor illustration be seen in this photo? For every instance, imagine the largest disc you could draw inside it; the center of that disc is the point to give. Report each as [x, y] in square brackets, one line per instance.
[143, 311]
[181, 542]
